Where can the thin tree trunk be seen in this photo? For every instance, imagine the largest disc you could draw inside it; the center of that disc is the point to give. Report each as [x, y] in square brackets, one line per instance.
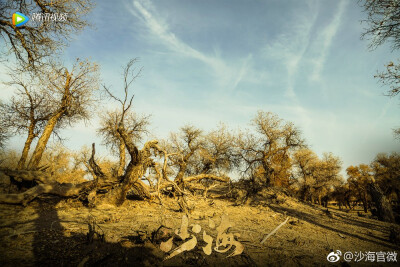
[42, 142]
[348, 204]
[51, 123]
[122, 159]
[31, 132]
[27, 146]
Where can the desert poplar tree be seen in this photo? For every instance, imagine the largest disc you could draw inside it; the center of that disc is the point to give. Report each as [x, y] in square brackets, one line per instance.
[27, 111]
[306, 163]
[41, 37]
[386, 168]
[266, 153]
[183, 147]
[383, 21]
[358, 179]
[72, 98]
[135, 124]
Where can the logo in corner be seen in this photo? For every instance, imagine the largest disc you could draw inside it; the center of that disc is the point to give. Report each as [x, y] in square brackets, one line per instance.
[19, 19]
[334, 256]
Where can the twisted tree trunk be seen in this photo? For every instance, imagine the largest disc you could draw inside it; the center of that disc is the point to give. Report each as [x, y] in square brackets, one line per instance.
[137, 166]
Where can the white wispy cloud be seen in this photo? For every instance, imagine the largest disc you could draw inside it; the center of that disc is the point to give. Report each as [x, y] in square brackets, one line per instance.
[161, 30]
[243, 71]
[144, 10]
[324, 40]
[290, 46]
[227, 75]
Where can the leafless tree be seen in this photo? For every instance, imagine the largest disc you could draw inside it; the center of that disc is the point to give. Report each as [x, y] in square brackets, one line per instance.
[193, 161]
[391, 78]
[27, 112]
[35, 41]
[135, 125]
[396, 133]
[75, 89]
[119, 129]
[383, 22]
[267, 152]
[71, 97]
[384, 26]
[194, 156]
[184, 147]
[218, 153]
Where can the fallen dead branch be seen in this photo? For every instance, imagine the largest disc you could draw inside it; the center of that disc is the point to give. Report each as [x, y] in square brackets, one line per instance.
[274, 231]
[116, 189]
[112, 189]
[54, 188]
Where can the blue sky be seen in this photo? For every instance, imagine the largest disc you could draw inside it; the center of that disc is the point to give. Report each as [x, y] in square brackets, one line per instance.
[206, 62]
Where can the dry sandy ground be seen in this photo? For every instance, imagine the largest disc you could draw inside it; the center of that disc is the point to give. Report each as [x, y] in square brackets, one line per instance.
[50, 232]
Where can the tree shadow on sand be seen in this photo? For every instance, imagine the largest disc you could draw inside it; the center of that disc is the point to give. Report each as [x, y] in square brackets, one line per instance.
[310, 218]
[349, 219]
[53, 244]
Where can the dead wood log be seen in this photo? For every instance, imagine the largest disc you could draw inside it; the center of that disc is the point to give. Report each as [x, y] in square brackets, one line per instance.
[141, 189]
[43, 183]
[38, 176]
[274, 231]
[53, 188]
[115, 188]
[198, 177]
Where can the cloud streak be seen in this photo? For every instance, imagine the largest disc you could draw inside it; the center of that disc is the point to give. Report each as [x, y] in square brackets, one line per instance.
[291, 46]
[228, 76]
[161, 30]
[324, 41]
